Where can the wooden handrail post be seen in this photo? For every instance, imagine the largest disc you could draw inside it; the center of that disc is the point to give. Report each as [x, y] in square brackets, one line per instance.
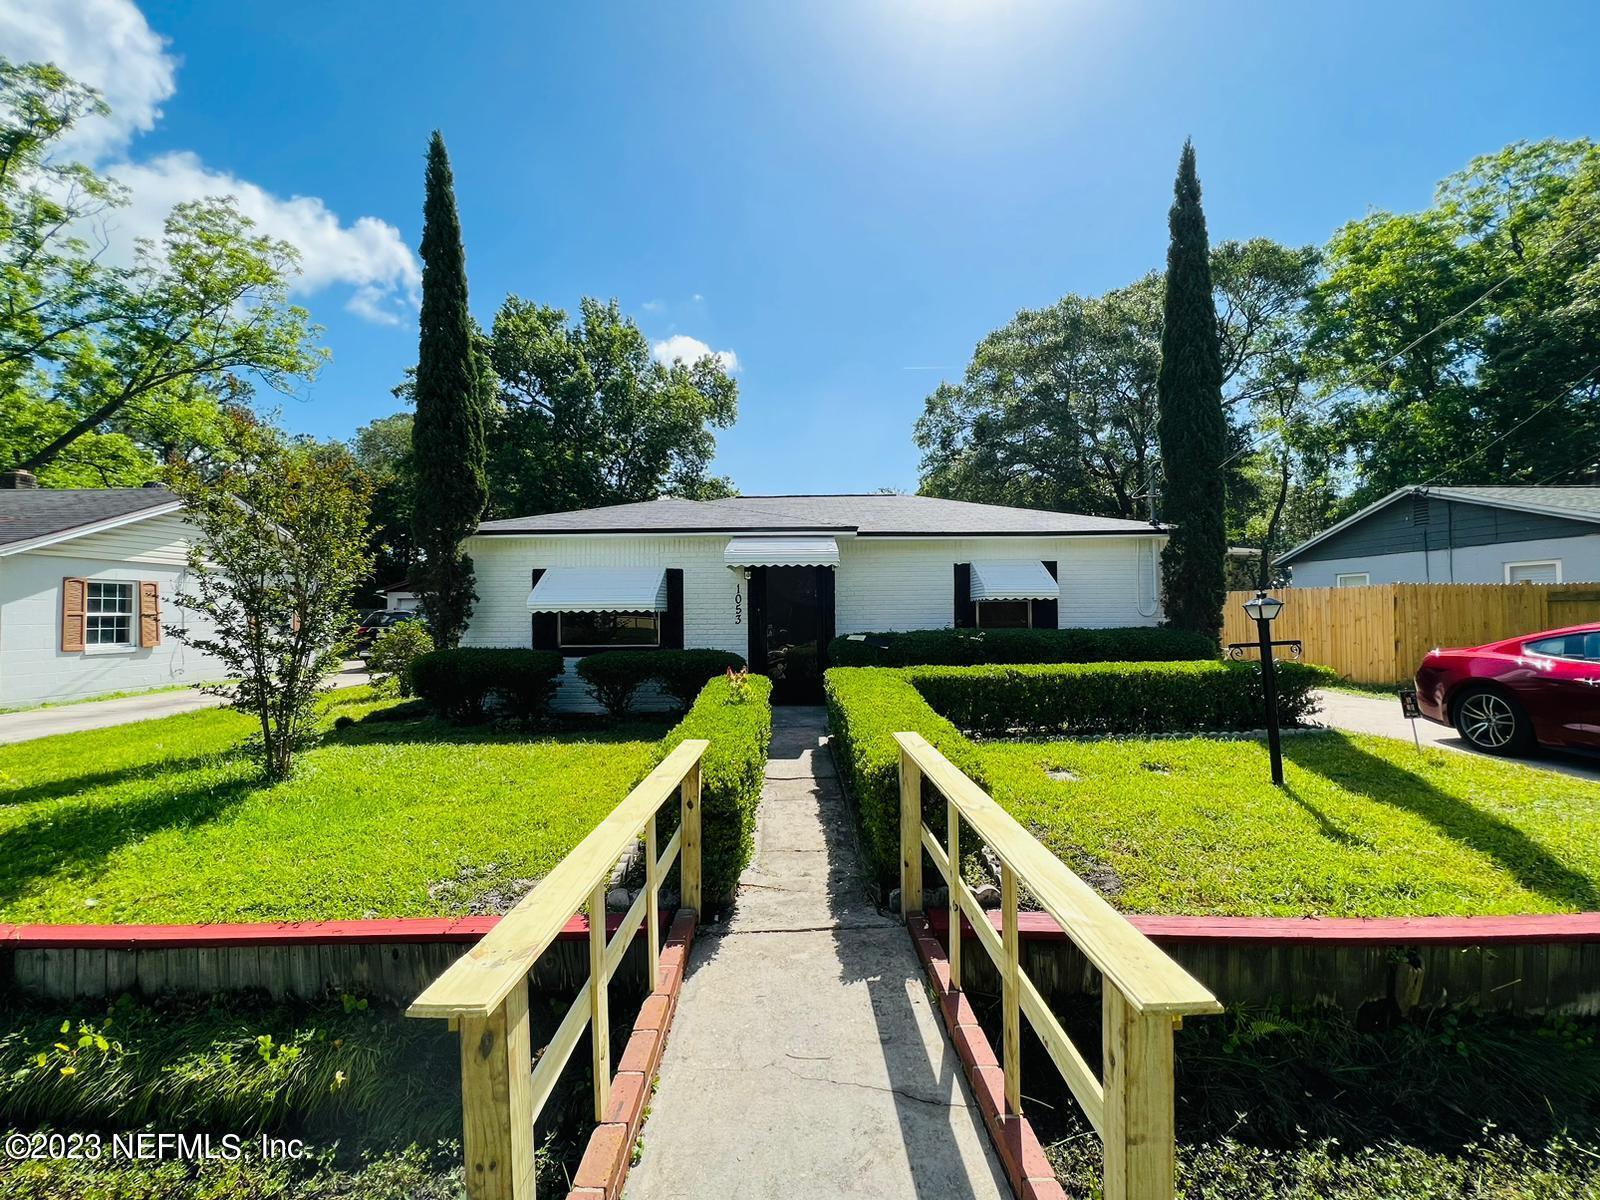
[952, 819]
[910, 836]
[1139, 1122]
[497, 1101]
[599, 1019]
[1011, 992]
[652, 913]
[689, 869]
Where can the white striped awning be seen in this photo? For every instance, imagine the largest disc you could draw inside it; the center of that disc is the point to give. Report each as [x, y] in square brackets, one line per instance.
[1012, 579]
[782, 552]
[600, 589]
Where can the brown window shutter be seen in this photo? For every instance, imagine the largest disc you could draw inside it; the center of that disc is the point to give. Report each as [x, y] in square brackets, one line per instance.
[74, 600]
[149, 613]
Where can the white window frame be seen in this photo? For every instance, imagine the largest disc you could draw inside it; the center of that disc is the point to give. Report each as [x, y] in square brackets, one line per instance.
[563, 646]
[1535, 562]
[977, 614]
[1364, 576]
[131, 588]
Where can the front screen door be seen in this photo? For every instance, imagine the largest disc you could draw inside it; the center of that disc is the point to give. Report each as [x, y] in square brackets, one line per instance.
[791, 625]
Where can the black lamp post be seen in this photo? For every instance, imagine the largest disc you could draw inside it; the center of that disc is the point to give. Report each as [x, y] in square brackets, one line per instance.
[1263, 610]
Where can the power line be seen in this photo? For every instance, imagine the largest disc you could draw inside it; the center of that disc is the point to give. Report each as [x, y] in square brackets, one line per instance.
[1557, 398]
[1322, 404]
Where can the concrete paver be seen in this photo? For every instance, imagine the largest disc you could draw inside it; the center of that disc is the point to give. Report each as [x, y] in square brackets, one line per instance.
[1381, 715]
[806, 1057]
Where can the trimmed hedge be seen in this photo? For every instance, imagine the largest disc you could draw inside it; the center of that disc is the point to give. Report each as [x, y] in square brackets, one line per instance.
[615, 677]
[731, 775]
[460, 683]
[973, 647]
[868, 706]
[1116, 698]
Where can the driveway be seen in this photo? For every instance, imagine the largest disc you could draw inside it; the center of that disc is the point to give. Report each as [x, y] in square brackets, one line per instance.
[1374, 714]
[99, 714]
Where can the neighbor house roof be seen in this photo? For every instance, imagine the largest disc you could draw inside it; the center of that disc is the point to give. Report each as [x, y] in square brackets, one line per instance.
[31, 517]
[876, 515]
[1574, 503]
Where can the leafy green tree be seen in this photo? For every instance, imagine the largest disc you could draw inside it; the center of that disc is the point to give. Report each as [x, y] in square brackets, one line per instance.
[1453, 345]
[1190, 420]
[584, 416]
[1057, 409]
[447, 434]
[382, 450]
[280, 549]
[108, 371]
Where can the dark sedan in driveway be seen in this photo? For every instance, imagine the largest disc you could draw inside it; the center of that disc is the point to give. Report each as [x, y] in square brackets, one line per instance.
[1507, 697]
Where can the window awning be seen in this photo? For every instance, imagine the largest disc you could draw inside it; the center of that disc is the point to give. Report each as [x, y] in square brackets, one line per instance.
[600, 589]
[1012, 579]
[782, 552]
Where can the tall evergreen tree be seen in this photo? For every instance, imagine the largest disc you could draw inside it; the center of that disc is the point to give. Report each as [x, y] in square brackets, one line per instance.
[1190, 422]
[447, 435]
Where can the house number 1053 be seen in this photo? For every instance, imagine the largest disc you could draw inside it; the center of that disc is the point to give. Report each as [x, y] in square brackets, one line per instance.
[738, 604]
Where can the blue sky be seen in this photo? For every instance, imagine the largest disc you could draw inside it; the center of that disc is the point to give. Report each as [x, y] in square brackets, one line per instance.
[846, 196]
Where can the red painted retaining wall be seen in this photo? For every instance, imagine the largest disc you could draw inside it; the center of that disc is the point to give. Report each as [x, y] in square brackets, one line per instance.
[1535, 963]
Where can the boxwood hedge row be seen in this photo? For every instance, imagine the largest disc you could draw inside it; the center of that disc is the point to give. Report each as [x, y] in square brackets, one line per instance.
[1115, 698]
[461, 683]
[970, 647]
[736, 717]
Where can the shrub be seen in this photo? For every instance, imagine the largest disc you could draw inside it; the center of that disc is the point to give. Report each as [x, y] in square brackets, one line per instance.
[1115, 698]
[866, 708]
[393, 651]
[615, 677]
[683, 673]
[461, 684]
[971, 647]
[737, 720]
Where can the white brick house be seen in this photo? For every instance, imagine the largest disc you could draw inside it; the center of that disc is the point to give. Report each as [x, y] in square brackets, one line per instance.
[774, 578]
[87, 580]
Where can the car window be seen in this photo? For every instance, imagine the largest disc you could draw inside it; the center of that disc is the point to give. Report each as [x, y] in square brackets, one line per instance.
[1582, 646]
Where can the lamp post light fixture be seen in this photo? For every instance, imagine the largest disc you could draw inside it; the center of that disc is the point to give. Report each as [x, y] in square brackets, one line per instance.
[1263, 610]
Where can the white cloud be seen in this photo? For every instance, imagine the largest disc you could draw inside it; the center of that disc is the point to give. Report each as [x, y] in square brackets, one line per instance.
[104, 43]
[109, 45]
[653, 306]
[680, 347]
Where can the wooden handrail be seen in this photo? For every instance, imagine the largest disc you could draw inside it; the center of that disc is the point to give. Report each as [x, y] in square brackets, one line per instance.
[1151, 981]
[480, 979]
[1145, 993]
[484, 993]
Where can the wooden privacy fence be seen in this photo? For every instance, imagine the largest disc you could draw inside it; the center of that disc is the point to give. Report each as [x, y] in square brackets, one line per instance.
[1144, 992]
[484, 993]
[1381, 633]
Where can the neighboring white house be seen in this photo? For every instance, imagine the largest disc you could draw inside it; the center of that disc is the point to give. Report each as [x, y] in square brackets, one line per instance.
[400, 597]
[87, 579]
[1458, 535]
[775, 578]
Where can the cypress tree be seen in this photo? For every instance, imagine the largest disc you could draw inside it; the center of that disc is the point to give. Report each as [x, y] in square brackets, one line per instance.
[1190, 422]
[447, 438]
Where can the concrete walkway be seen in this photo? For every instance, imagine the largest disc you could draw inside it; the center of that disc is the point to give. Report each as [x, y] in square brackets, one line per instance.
[806, 1058]
[1381, 715]
[33, 723]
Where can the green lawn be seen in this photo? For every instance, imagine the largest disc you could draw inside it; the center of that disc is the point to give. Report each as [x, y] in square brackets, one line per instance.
[1366, 826]
[165, 821]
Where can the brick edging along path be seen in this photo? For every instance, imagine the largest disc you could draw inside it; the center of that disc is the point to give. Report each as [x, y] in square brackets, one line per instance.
[604, 1168]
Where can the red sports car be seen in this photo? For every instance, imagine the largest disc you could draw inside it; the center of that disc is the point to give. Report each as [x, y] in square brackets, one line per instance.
[1504, 697]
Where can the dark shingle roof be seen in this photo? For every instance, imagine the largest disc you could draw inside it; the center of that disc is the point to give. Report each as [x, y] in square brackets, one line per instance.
[29, 513]
[867, 515]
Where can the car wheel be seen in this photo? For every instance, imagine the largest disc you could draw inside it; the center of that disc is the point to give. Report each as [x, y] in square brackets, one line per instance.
[1493, 722]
